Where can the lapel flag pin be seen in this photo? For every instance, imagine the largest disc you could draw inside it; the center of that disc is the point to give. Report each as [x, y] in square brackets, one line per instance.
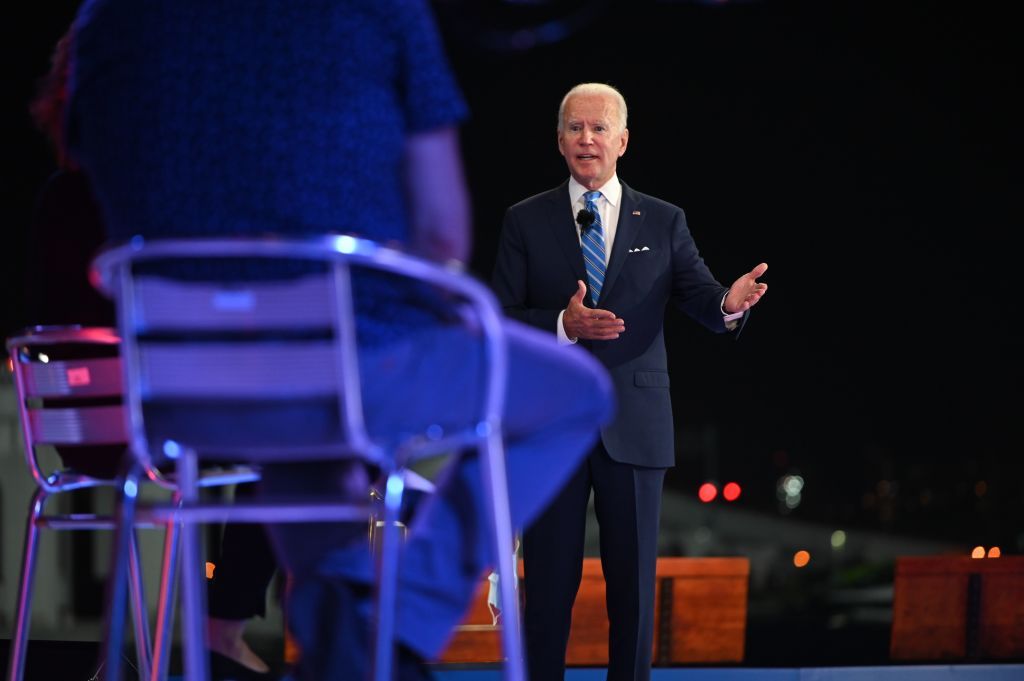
[636, 212]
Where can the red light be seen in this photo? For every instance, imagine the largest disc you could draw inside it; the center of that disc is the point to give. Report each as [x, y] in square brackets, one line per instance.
[78, 376]
[731, 491]
[707, 492]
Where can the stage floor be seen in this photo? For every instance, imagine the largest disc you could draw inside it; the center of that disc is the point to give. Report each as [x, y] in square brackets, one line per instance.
[959, 672]
[76, 661]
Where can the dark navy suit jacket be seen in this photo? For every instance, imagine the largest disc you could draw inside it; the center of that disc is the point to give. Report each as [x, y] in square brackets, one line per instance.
[654, 261]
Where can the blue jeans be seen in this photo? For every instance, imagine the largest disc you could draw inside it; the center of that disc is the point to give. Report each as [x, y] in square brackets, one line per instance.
[556, 400]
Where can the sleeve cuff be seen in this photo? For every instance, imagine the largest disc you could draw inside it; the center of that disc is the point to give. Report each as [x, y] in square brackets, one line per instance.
[731, 320]
[562, 338]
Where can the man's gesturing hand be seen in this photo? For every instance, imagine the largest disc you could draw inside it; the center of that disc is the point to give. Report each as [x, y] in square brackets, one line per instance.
[580, 321]
[746, 291]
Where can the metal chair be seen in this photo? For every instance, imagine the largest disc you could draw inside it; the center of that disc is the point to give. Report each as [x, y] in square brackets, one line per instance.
[69, 385]
[202, 346]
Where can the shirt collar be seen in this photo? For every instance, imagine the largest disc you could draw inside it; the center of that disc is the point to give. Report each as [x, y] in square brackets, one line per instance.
[611, 191]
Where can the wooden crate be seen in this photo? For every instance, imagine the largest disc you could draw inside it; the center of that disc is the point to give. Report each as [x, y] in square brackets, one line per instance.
[958, 608]
[700, 616]
[702, 610]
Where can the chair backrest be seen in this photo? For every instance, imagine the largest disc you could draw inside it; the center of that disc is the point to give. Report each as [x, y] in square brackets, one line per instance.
[69, 389]
[261, 369]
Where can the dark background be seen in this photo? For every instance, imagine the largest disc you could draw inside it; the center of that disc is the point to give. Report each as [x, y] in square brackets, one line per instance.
[862, 149]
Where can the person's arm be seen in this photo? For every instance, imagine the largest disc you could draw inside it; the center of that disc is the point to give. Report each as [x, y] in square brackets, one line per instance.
[439, 213]
[695, 290]
[694, 287]
[508, 279]
[579, 321]
[745, 292]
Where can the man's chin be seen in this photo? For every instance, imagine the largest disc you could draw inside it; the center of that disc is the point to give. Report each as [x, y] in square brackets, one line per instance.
[589, 180]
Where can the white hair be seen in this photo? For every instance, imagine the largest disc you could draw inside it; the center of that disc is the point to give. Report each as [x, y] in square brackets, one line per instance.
[594, 89]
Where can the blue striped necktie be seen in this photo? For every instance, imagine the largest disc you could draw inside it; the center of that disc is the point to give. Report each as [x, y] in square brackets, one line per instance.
[592, 241]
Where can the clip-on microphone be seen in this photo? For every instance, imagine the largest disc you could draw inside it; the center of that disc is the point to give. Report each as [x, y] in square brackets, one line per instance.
[585, 218]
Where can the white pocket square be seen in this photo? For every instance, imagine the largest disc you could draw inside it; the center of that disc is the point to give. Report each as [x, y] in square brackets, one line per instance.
[637, 250]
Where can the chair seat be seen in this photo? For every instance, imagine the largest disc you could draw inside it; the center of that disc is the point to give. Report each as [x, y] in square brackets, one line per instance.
[97, 461]
[275, 430]
[277, 511]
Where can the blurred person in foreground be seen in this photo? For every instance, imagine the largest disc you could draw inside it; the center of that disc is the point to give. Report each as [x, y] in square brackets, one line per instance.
[66, 232]
[196, 118]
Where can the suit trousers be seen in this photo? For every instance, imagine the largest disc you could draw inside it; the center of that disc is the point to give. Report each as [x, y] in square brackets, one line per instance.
[627, 503]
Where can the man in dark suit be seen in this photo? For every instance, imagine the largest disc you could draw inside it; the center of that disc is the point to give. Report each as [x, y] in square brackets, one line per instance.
[597, 263]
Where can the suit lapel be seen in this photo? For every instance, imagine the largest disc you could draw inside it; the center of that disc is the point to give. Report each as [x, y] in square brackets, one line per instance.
[630, 219]
[563, 226]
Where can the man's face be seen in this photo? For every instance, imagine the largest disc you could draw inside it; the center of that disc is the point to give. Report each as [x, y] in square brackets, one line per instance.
[591, 139]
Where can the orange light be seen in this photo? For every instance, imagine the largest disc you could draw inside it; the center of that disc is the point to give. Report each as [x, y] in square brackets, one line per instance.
[978, 552]
[801, 558]
[10, 365]
[731, 491]
[707, 492]
[210, 567]
[994, 552]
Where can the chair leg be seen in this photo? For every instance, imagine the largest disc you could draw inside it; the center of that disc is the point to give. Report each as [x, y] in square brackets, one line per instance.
[23, 612]
[387, 579]
[140, 616]
[193, 607]
[165, 605]
[124, 528]
[495, 485]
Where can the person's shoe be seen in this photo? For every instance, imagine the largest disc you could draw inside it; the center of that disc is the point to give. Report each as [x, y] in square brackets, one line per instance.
[223, 668]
